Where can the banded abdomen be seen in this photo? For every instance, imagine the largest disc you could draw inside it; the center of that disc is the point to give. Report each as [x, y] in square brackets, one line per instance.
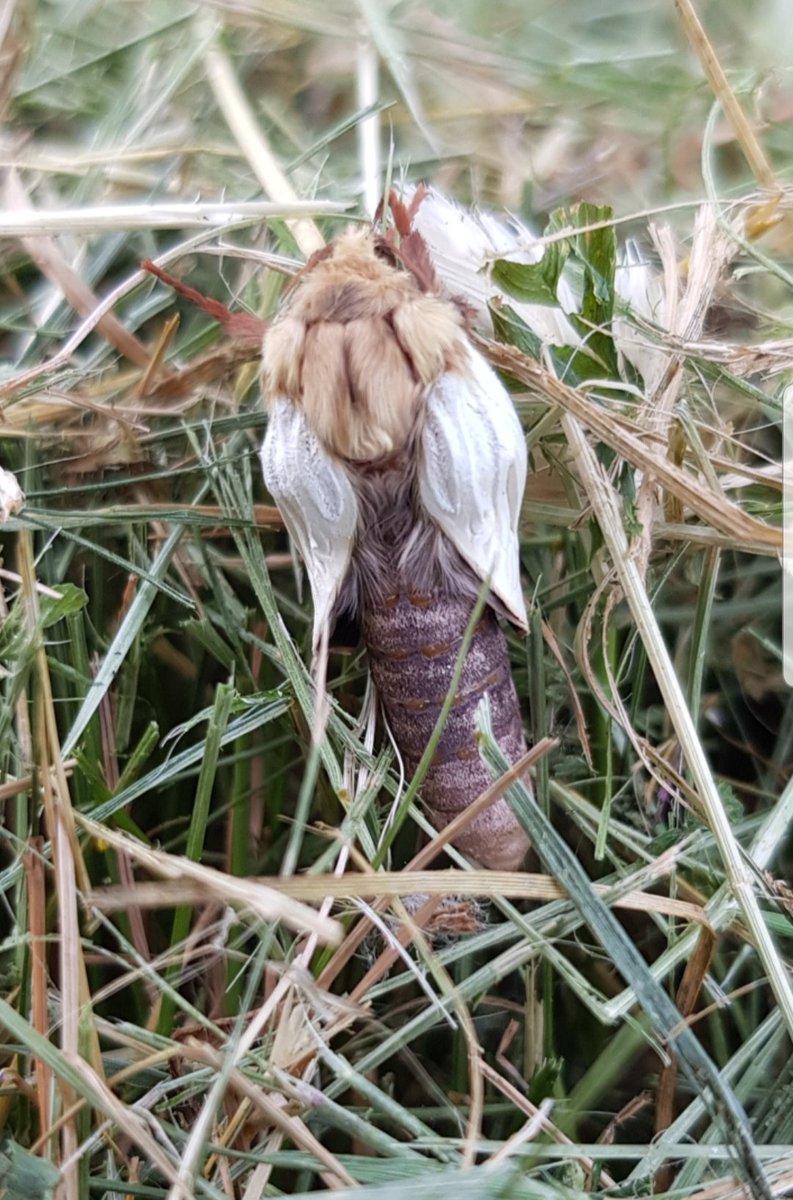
[413, 641]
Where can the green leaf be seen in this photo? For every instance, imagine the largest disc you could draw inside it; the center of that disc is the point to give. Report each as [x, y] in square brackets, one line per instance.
[126, 635]
[93, 775]
[732, 804]
[477, 1183]
[25, 1176]
[511, 329]
[780, 924]
[72, 600]
[533, 283]
[596, 251]
[575, 364]
[627, 485]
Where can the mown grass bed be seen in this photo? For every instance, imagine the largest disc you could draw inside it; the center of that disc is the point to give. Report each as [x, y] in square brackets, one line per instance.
[211, 984]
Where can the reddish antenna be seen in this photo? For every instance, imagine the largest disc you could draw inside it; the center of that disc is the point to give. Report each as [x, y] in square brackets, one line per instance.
[242, 327]
[410, 248]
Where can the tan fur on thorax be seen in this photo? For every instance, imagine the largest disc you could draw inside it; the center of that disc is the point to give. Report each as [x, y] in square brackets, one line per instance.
[358, 346]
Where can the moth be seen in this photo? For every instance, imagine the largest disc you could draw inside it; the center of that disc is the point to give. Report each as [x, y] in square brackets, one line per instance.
[398, 463]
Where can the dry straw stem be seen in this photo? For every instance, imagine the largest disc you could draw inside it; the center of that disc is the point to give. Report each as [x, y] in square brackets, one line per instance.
[212, 215]
[429, 852]
[69, 869]
[523, 1104]
[9, 388]
[265, 516]
[766, 358]
[42, 590]
[273, 1108]
[395, 940]
[476, 1087]
[745, 135]
[711, 250]
[719, 512]
[687, 996]
[730, 1188]
[720, 908]
[356, 885]
[124, 1116]
[281, 1002]
[266, 903]
[253, 144]
[367, 94]
[37, 904]
[607, 510]
[532, 1126]
[45, 253]
[99, 1095]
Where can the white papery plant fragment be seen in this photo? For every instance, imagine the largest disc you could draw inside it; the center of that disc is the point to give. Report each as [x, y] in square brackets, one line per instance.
[650, 298]
[12, 498]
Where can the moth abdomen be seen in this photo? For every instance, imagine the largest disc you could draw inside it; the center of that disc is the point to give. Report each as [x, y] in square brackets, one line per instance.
[414, 641]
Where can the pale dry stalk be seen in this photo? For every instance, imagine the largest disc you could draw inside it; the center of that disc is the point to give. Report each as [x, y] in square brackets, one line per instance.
[607, 510]
[711, 251]
[239, 116]
[69, 869]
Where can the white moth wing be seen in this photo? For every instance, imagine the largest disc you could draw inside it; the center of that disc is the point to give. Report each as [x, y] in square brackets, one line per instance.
[316, 500]
[472, 475]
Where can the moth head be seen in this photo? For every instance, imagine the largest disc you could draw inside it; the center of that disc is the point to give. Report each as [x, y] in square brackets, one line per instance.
[358, 346]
